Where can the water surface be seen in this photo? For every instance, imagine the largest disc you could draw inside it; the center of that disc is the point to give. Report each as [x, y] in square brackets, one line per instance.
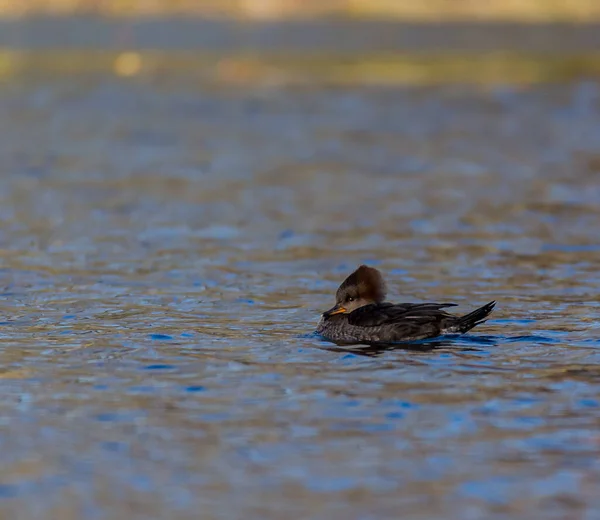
[168, 242]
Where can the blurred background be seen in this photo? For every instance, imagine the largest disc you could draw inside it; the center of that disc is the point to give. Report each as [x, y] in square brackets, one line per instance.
[521, 10]
[183, 186]
[292, 41]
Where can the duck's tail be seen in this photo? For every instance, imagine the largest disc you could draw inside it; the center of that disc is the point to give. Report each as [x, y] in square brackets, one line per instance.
[468, 321]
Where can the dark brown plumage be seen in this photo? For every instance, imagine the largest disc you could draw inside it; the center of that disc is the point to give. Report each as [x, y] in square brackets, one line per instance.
[360, 314]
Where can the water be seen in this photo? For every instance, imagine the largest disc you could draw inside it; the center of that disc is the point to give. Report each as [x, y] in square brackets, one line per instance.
[168, 243]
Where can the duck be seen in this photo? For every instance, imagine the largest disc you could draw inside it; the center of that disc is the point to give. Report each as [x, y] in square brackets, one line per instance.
[361, 315]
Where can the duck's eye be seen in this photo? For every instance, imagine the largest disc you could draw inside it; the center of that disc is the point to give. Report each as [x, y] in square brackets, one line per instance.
[350, 299]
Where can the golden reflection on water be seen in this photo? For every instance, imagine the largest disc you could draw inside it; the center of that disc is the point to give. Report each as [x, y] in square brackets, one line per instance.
[426, 68]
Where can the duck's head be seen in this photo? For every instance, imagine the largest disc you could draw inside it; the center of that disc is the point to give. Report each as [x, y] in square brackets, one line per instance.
[363, 287]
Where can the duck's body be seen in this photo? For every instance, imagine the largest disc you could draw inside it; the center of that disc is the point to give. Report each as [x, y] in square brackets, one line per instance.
[361, 316]
[391, 323]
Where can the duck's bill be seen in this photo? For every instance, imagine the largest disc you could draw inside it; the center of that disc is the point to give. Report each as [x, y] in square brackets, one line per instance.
[338, 309]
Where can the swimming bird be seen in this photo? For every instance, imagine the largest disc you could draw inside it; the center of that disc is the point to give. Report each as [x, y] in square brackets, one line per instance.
[361, 314]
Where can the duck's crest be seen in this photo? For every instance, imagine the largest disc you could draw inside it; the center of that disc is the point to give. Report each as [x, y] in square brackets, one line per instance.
[368, 281]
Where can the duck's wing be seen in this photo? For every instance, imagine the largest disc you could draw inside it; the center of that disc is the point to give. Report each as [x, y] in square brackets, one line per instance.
[386, 313]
